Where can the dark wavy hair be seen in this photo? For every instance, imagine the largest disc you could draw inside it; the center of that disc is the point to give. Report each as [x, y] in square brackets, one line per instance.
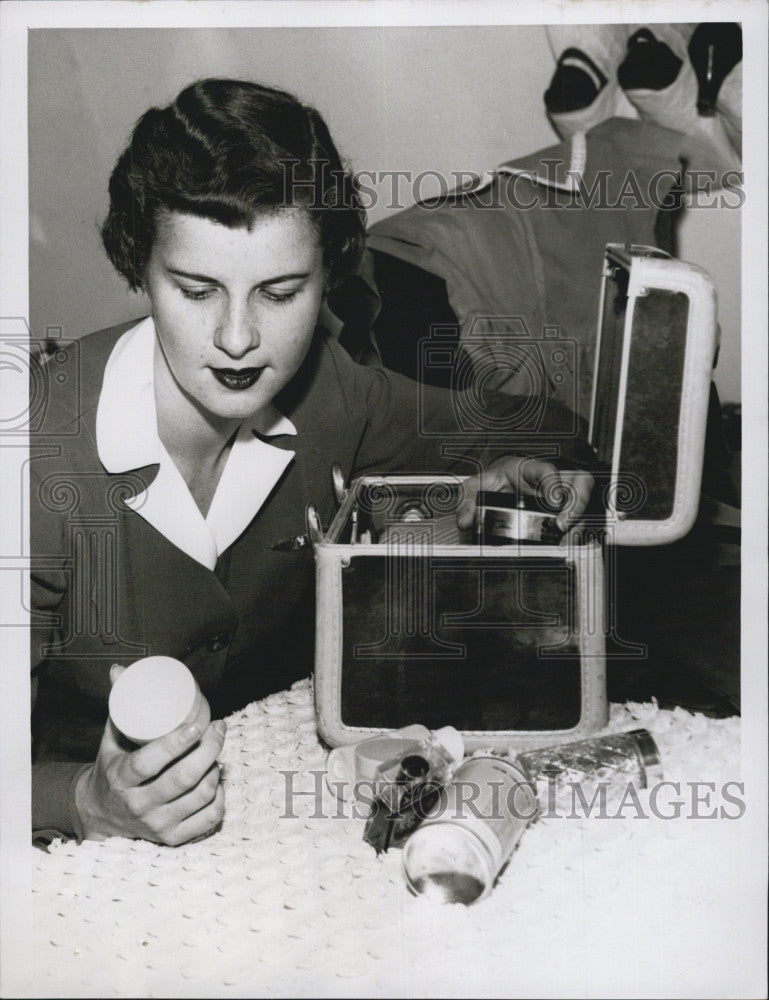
[228, 150]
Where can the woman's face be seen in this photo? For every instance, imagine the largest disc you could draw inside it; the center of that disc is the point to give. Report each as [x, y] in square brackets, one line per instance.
[234, 309]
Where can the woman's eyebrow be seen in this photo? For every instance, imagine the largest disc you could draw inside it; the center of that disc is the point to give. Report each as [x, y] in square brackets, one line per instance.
[213, 281]
[193, 277]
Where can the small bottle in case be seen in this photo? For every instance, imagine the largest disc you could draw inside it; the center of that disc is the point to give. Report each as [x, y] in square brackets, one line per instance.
[504, 519]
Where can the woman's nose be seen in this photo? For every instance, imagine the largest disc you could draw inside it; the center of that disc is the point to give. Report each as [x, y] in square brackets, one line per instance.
[236, 333]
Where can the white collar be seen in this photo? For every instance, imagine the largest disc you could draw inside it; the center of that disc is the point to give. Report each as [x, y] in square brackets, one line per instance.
[127, 438]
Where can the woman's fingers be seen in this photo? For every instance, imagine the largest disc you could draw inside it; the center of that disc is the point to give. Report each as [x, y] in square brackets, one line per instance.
[578, 486]
[190, 814]
[186, 772]
[201, 822]
[147, 762]
[161, 821]
[571, 488]
[185, 788]
[504, 474]
[195, 798]
[149, 791]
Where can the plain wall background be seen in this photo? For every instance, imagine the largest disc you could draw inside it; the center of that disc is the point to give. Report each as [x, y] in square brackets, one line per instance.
[416, 99]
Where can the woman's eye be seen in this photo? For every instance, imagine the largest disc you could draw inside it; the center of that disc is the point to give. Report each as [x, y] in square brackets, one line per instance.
[278, 297]
[196, 294]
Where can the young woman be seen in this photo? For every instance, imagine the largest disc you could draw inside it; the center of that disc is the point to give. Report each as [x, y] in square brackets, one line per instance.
[175, 452]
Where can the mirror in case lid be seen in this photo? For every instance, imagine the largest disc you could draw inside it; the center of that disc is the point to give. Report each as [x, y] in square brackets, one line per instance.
[654, 359]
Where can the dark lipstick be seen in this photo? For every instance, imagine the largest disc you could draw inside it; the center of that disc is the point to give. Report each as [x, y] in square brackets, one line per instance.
[237, 378]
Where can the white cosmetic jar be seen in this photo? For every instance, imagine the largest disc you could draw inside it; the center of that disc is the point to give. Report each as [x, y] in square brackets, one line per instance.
[153, 697]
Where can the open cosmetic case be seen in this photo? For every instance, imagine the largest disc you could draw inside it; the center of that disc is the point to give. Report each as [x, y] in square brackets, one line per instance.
[419, 622]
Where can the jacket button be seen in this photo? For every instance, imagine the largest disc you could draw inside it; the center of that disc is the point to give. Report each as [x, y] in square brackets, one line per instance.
[218, 643]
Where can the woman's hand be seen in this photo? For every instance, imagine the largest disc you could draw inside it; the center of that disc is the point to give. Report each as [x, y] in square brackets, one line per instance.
[530, 475]
[167, 791]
